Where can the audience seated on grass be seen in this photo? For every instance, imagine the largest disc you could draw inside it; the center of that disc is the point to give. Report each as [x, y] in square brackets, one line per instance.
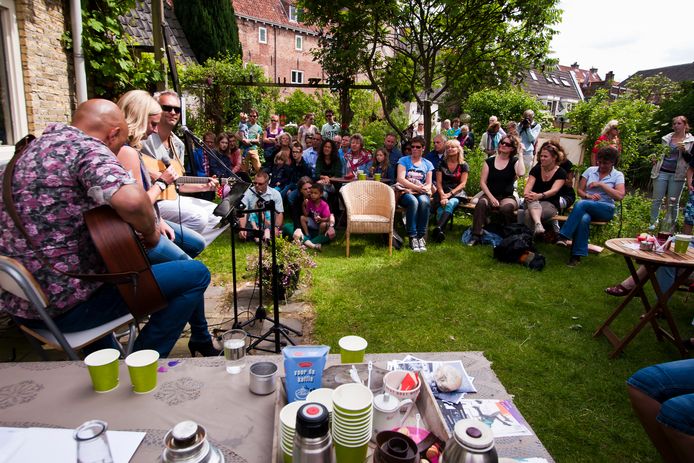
[598, 189]
[293, 229]
[316, 217]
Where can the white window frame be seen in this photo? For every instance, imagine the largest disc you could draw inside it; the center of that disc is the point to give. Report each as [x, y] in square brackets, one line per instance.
[293, 14]
[299, 74]
[262, 35]
[15, 80]
[532, 74]
[298, 42]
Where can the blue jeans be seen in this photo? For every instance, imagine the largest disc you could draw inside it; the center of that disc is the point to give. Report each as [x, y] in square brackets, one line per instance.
[665, 184]
[190, 241]
[183, 284]
[671, 384]
[449, 207]
[577, 226]
[417, 213]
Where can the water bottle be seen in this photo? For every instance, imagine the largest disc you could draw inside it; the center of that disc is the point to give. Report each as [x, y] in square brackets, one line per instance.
[187, 443]
[312, 441]
[472, 442]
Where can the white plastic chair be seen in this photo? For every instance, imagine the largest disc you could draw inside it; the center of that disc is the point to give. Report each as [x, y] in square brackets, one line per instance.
[16, 279]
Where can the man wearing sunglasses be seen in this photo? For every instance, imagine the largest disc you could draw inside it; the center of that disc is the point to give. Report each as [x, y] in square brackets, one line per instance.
[165, 146]
[261, 220]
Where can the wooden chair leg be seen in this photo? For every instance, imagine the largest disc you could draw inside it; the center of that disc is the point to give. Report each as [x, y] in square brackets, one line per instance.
[347, 234]
[390, 243]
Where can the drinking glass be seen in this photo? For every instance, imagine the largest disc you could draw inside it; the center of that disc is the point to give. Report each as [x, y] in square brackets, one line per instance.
[234, 342]
[92, 443]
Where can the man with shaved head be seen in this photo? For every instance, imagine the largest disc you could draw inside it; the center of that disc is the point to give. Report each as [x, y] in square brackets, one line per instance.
[67, 171]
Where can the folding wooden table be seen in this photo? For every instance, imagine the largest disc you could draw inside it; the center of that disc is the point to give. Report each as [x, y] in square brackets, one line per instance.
[683, 263]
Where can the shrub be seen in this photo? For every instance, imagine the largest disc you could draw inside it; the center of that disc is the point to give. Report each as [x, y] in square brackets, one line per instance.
[506, 105]
[475, 158]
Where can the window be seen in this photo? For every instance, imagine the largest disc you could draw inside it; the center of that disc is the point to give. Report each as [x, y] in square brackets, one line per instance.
[293, 14]
[565, 82]
[298, 42]
[13, 118]
[297, 77]
[262, 35]
[532, 74]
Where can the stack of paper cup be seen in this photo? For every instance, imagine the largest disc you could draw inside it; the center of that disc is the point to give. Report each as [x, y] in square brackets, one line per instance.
[287, 428]
[352, 422]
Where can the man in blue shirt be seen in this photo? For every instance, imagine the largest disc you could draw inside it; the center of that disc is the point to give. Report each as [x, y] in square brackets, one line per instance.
[311, 153]
[439, 151]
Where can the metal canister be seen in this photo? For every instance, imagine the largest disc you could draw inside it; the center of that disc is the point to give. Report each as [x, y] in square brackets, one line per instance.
[187, 443]
[472, 442]
[312, 441]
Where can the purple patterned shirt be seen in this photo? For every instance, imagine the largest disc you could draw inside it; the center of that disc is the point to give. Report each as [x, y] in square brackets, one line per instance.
[62, 174]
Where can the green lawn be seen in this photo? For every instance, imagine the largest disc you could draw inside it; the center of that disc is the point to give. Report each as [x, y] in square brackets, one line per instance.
[536, 328]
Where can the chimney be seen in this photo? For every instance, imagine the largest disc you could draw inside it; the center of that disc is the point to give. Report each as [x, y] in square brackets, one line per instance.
[609, 77]
[593, 70]
[575, 65]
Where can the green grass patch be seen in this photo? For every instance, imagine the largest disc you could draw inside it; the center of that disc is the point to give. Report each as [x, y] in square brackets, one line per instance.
[536, 328]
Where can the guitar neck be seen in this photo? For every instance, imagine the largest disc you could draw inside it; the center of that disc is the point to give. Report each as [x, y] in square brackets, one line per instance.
[190, 180]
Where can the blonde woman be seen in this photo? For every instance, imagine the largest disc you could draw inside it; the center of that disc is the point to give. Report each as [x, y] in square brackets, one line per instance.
[451, 178]
[608, 137]
[545, 181]
[142, 114]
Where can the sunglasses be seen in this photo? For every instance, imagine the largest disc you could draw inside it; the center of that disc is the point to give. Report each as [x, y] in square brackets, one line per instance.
[168, 108]
[505, 143]
[274, 120]
[416, 147]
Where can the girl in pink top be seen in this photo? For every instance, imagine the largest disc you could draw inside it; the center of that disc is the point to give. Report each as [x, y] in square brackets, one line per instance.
[316, 218]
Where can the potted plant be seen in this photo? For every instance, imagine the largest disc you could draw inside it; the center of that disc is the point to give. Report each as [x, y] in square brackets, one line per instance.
[291, 259]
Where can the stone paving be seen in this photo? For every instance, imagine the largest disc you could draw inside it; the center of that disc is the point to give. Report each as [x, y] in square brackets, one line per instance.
[220, 314]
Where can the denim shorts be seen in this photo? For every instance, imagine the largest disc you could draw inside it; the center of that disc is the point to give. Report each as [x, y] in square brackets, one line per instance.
[671, 384]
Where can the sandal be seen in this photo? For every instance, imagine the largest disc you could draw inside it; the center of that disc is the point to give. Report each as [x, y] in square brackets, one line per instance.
[617, 291]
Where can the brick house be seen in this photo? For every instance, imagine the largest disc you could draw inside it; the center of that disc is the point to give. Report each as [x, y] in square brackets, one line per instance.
[590, 81]
[272, 37]
[37, 73]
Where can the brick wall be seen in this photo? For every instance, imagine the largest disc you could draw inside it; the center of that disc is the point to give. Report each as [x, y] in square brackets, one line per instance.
[47, 69]
[278, 56]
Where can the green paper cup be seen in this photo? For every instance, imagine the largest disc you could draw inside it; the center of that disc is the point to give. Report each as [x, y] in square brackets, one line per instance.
[361, 175]
[345, 454]
[682, 243]
[142, 366]
[103, 369]
[352, 349]
[377, 177]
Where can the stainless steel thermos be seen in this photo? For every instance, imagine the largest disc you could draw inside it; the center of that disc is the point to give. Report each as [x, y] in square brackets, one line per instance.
[472, 442]
[312, 441]
[187, 443]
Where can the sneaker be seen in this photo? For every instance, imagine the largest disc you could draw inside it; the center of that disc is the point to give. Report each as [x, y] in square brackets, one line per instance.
[539, 229]
[414, 244]
[556, 227]
[422, 245]
[574, 261]
[563, 242]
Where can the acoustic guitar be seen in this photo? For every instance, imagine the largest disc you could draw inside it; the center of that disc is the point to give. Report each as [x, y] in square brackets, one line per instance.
[154, 165]
[123, 253]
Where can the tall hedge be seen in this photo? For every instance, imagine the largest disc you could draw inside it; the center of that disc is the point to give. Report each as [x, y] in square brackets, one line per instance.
[210, 26]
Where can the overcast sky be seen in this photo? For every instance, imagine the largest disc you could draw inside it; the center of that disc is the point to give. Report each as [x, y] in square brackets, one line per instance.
[625, 36]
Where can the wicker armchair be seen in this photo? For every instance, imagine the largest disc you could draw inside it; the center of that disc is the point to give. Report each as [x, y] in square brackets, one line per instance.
[370, 208]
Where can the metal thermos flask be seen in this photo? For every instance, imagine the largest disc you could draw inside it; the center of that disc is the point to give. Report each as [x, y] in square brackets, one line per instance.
[472, 442]
[312, 441]
[187, 443]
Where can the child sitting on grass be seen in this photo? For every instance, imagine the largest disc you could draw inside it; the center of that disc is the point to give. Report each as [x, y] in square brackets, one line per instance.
[280, 174]
[316, 217]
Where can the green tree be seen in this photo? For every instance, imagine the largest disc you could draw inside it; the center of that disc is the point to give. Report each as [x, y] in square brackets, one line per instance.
[426, 45]
[221, 100]
[210, 27]
[653, 89]
[681, 103]
[637, 130]
[507, 104]
[112, 65]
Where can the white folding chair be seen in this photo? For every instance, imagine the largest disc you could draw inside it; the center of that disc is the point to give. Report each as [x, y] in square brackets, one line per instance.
[16, 279]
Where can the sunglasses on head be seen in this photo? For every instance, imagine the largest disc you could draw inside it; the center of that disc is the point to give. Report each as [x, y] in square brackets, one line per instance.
[168, 108]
